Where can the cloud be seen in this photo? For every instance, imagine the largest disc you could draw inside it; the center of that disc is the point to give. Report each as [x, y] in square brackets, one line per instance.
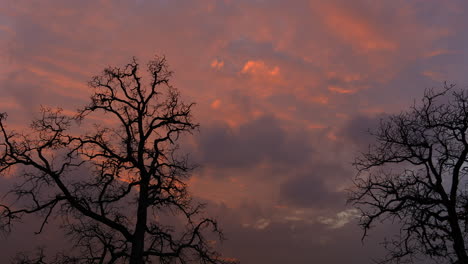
[315, 189]
[340, 90]
[358, 130]
[217, 64]
[257, 141]
[275, 242]
[259, 67]
[356, 29]
[216, 104]
[340, 219]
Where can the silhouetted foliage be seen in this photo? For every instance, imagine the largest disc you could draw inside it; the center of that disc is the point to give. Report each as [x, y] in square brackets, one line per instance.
[415, 175]
[114, 183]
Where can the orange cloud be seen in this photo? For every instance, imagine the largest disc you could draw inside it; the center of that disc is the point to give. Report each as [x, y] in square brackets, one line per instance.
[65, 85]
[64, 65]
[316, 126]
[215, 104]
[437, 53]
[7, 29]
[340, 90]
[217, 64]
[259, 67]
[435, 76]
[8, 103]
[332, 136]
[356, 30]
[319, 99]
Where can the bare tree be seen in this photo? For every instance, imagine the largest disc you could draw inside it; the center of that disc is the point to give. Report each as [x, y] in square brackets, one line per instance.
[415, 175]
[112, 184]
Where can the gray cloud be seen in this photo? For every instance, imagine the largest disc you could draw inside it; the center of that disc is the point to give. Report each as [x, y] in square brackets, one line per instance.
[312, 191]
[257, 141]
[278, 241]
[358, 130]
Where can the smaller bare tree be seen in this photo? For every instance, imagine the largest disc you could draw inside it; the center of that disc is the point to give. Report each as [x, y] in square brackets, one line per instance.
[415, 175]
[114, 183]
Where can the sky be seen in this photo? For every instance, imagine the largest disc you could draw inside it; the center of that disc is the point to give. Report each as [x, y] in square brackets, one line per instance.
[285, 92]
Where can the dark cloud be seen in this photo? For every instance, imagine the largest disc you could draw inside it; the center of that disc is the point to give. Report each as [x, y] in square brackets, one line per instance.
[358, 130]
[260, 140]
[312, 191]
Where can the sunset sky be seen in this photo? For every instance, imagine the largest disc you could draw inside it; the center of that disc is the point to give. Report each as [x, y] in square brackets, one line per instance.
[285, 92]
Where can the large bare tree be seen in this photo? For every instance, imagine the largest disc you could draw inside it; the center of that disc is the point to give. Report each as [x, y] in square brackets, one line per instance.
[112, 183]
[415, 175]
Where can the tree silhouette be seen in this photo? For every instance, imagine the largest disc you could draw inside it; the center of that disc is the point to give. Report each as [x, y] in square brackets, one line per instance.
[112, 184]
[415, 175]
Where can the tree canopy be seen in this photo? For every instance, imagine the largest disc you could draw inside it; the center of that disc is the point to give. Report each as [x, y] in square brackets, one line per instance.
[415, 175]
[112, 183]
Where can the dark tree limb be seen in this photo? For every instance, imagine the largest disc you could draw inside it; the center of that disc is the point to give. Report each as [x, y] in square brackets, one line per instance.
[415, 174]
[129, 174]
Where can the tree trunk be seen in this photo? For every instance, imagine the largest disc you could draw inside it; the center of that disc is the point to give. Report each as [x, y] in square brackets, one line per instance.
[138, 242]
[458, 241]
[459, 248]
